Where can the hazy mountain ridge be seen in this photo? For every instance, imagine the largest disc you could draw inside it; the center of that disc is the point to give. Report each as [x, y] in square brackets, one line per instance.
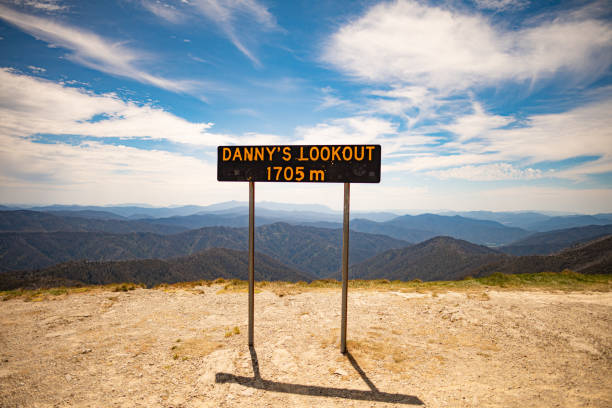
[571, 221]
[545, 243]
[208, 264]
[523, 219]
[36, 221]
[418, 228]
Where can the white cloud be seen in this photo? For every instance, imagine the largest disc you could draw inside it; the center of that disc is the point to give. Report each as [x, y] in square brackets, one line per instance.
[92, 172]
[29, 106]
[95, 173]
[410, 43]
[353, 130]
[488, 172]
[579, 172]
[581, 132]
[92, 51]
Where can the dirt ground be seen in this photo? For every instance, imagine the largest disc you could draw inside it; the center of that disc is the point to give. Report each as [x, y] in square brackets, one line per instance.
[188, 348]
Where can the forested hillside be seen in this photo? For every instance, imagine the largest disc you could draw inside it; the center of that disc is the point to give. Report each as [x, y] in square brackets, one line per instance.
[208, 264]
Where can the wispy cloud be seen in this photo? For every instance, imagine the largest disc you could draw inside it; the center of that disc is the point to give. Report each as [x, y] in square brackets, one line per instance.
[480, 138]
[163, 10]
[330, 99]
[227, 14]
[92, 50]
[43, 5]
[234, 18]
[488, 172]
[501, 5]
[30, 106]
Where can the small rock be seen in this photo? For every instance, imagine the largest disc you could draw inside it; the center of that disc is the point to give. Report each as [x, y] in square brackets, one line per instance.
[248, 392]
[85, 351]
[68, 377]
[340, 372]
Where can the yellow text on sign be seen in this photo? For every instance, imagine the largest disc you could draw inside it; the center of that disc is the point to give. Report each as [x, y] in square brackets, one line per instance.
[306, 153]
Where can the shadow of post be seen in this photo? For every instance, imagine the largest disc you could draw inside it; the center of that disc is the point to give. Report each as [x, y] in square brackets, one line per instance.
[373, 395]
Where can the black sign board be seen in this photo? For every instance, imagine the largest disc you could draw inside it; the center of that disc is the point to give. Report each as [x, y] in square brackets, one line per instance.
[297, 163]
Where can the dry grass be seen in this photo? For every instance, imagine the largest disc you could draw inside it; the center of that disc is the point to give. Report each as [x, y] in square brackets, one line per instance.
[548, 281]
[566, 281]
[196, 347]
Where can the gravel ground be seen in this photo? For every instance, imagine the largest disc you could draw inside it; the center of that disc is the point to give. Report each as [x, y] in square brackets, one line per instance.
[188, 348]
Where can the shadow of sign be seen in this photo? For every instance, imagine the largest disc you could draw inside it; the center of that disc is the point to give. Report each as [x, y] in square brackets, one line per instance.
[373, 395]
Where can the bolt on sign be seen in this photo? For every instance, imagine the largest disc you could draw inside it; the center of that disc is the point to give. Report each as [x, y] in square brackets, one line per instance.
[294, 163]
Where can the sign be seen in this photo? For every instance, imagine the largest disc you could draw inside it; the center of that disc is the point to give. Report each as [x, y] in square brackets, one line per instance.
[298, 163]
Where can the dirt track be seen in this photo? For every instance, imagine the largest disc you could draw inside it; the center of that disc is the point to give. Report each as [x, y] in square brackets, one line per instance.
[180, 349]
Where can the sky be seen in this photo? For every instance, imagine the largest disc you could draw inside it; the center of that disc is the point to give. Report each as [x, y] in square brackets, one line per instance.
[500, 105]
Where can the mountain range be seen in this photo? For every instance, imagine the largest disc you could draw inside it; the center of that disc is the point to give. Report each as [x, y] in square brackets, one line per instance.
[313, 213]
[445, 258]
[314, 250]
[592, 257]
[305, 240]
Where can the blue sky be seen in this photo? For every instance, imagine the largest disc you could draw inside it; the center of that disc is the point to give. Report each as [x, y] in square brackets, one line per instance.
[478, 105]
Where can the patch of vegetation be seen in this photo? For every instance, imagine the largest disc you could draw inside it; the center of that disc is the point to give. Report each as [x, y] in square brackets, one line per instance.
[231, 332]
[236, 285]
[124, 287]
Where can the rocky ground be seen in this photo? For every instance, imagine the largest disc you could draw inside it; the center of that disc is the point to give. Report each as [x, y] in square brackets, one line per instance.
[188, 348]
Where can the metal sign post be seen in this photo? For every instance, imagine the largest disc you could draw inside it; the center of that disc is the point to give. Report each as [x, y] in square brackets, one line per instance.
[345, 255]
[296, 163]
[251, 260]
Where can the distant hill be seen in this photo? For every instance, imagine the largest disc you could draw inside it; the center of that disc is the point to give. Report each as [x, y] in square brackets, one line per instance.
[445, 258]
[126, 210]
[522, 219]
[208, 264]
[440, 258]
[100, 215]
[545, 243]
[210, 220]
[416, 228]
[36, 221]
[313, 250]
[570, 221]
[591, 257]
